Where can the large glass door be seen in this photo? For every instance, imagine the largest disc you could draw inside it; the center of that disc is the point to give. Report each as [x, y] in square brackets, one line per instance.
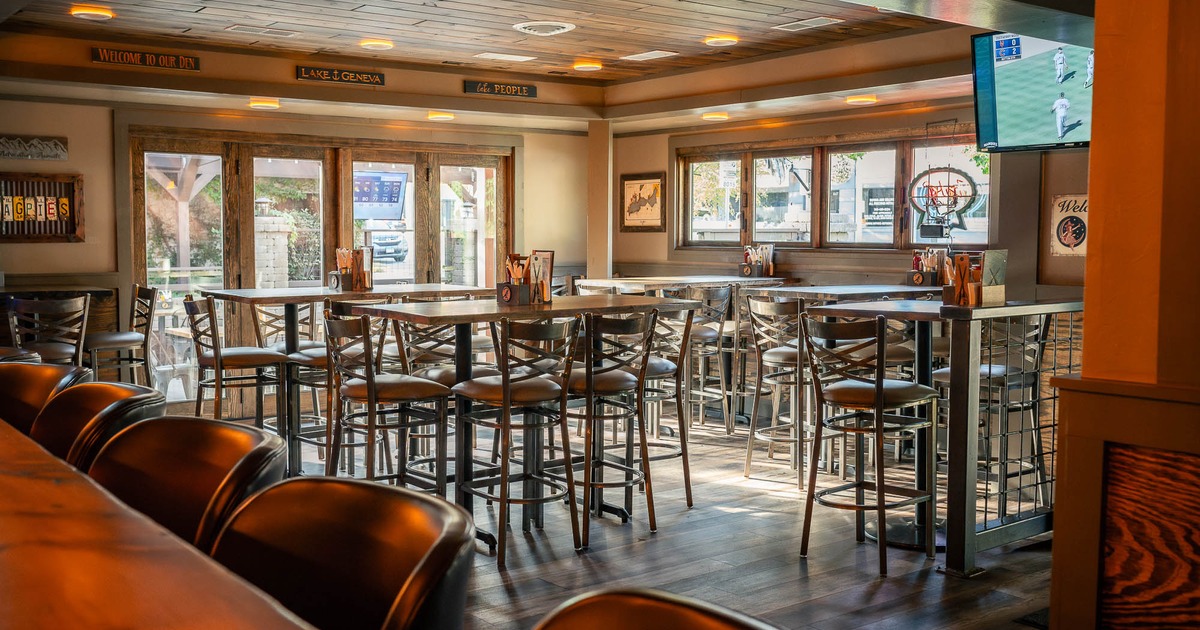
[467, 197]
[183, 247]
[289, 211]
[384, 198]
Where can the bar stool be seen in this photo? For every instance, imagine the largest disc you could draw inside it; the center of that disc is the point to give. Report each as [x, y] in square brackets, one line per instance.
[666, 381]
[226, 364]
[708, 330]
[133, 341]
[615, 356]
[390, 401]
[307, 367]
[860, 386]
[535, 360]
[1011, 353]
[19, 355]
[54, 329]
[775, 330]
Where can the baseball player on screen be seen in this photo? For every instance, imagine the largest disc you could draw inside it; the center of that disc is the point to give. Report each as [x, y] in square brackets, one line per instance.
[1060, 65]
[1060, 108]
[1091, 69]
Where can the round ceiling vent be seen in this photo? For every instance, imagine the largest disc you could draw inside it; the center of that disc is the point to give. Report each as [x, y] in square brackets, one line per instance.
[544, 28]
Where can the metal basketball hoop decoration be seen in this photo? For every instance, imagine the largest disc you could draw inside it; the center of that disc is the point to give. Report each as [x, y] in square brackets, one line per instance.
[941, 195]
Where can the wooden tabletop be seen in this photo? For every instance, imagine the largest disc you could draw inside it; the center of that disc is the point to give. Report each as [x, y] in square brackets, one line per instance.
[475, 311]
[655, 283]
[302, 295]
[906, 310]
[72, 556]
[65, 288]
[839, 292]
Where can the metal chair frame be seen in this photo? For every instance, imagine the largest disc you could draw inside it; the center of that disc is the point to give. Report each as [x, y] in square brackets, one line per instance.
[33, 322]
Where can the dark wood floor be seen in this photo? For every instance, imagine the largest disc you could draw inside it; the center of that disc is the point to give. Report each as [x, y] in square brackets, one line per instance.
[739, 547]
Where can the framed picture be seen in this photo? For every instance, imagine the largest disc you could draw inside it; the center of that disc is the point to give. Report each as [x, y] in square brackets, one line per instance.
[643, 202]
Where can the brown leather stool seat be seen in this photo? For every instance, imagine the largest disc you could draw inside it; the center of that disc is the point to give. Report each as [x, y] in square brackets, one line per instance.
[350, 554]
[81, 419]
[394, 388]
[25, 388]
[189, 474]
[19, 355]
[644, 609]
[448, 376]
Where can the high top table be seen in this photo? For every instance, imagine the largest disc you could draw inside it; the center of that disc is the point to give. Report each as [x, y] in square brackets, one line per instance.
[964, 536]
[465, 314]
[73, 556]
[291, 297]
[848, 292]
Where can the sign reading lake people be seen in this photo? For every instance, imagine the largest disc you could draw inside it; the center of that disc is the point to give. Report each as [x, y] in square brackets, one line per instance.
[338, 75]
[492, 88]
[144, 59]
[1069, 222]
[32, 148]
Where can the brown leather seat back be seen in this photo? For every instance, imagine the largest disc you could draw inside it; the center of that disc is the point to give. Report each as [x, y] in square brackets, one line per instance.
[82, 418]
[644, 609]
[352, 554]
[189, 474]
[26, 387]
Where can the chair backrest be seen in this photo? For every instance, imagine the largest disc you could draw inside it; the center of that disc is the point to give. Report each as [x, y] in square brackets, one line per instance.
[81, 419]
[619, 343]
[142, 308]
[379, 325]
[426, 343]
[53, 328]
[202, 321]
[25, 388]
[843, 351]
[529, 350]
[269, 325]
[352, 351]
[714, 303]
[188, 474]
[672, 331]
[352, 554]
[774, 323]
[644, 609]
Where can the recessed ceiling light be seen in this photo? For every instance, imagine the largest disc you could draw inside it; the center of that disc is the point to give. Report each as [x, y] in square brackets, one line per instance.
[588, 66]
[504, 57]
[258, 102]
[721, 40]
[861, 99]
[715, 116]
[544, 28]
[439, 116]
[377, 44]
[647, 56]
[92, 12]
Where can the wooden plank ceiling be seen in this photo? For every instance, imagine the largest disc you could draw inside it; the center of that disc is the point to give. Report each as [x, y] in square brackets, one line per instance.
[452, 32]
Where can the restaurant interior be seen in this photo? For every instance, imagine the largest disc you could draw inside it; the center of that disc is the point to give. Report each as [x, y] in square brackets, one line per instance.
[759, 314]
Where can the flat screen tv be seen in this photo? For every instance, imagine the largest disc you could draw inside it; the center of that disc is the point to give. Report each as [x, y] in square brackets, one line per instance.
[1031, 93]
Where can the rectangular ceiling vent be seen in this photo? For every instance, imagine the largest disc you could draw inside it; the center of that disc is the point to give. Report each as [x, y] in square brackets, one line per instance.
[259, 30]
[647, 56]
[807, 24]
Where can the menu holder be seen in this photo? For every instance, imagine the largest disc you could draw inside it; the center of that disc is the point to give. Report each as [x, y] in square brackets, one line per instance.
[976, 286]
[354, 270]
[516, 291]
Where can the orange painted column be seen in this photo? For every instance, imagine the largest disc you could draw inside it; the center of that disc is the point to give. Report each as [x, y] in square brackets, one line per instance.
[1142, 292]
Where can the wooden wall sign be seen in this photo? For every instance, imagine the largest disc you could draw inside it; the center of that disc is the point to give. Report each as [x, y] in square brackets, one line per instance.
[144, 59]
[500, 89]
[338, 75]
[41, 208]
[32, 148]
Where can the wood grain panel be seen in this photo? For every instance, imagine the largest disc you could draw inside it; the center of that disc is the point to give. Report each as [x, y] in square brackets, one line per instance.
[1151, 578]
[455, 30]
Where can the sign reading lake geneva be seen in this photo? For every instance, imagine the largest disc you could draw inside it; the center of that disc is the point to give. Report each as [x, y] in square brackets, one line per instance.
[338, 75]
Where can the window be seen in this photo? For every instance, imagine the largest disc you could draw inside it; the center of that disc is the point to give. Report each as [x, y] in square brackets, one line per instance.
[862, 197]
[958, 170]
[783, 199]
[714, 192]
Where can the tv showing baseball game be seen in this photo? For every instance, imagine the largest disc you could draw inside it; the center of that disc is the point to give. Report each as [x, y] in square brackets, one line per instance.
[1031, 93]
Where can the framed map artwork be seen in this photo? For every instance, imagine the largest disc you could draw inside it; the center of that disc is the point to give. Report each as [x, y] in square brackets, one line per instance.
[643, 202]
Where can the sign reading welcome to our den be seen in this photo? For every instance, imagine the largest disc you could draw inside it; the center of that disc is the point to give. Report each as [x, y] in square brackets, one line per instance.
[338, 75]
[144, 59]
[492, 88]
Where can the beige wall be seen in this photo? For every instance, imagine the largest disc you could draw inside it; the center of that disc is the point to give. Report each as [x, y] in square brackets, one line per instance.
[639, 154]
[554, 192]
[89, 148]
